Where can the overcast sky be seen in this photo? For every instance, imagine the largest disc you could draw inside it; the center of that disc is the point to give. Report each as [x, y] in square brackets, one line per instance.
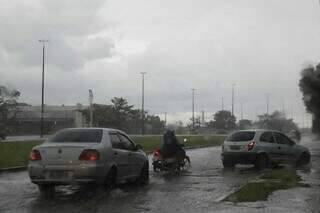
[260, 45]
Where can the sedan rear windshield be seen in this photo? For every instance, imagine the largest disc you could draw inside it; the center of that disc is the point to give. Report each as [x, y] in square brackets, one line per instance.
[78, 136]
[241, 136]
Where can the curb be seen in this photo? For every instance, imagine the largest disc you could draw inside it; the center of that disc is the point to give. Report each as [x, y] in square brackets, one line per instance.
[13, 169]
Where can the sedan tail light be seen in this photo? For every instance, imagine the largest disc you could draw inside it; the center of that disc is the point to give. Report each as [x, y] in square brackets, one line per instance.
[251, 145]
[89, 155]
[35, 155]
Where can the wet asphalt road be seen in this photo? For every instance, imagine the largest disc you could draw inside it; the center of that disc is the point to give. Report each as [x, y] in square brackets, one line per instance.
[200, 189]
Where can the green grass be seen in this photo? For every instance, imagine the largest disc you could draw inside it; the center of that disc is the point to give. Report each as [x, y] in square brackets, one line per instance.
[13, 154]
[269, 182]
[150, 143]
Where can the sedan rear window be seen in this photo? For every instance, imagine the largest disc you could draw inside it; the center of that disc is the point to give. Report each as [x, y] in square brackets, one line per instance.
[78, 136]
[241, 136]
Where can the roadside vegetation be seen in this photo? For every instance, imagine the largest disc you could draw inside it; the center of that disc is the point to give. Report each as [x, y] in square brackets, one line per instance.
[15, 154]
[269, 182]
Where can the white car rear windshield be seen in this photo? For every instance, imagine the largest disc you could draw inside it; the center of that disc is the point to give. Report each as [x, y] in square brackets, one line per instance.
[78, 136]
[241, 136]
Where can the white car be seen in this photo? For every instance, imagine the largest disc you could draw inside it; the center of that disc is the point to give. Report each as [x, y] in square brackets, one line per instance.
[262, 148]
[87, 155]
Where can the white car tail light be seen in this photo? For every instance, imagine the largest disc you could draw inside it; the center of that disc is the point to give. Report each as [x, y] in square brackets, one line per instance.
[35, 155]
[89, 155]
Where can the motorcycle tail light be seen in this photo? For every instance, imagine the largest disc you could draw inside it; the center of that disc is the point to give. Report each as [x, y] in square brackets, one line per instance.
[157, 153]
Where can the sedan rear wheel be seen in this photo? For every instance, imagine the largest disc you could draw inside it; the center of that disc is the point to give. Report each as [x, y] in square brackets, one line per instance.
[144, 174]
[261, 162]
[111, 179]
[228, 164]
[46, 188]
[304, 159]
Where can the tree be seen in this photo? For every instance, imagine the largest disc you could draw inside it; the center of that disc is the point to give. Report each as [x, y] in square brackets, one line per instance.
[8, 106]
[276, 121]
[102, 115]
[154, 124]
[244, 124]
[178, 127]
[121, 115]
[310, 87]
[223, 120]
[196, 127]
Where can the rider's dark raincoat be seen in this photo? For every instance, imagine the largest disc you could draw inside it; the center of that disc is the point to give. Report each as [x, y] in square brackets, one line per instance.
[171, 146]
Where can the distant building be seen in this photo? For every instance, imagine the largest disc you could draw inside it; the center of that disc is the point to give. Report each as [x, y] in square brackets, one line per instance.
[27, 121]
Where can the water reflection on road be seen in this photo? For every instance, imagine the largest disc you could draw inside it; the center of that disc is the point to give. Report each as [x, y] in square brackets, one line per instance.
[200, 189]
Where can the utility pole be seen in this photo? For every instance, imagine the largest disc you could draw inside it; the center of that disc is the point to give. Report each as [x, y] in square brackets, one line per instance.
[165, 119]
[222, 103]
[241, 111]
[267, 97]
[142, 104]
[232, 108]
[193, 108]
[91, 107]
[203, 118]
[42, 86]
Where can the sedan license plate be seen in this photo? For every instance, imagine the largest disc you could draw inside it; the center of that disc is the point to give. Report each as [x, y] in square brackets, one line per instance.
[59, 174]
[235, 147]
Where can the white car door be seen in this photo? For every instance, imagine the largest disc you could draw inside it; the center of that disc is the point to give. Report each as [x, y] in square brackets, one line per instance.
[134, 159]
[120, 155]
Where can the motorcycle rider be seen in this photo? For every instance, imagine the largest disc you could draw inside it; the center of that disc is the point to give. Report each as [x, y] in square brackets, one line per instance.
[171, 146]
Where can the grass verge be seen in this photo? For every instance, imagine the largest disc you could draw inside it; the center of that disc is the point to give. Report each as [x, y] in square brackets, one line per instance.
[14, 154]
[150, 143]
[269, 182]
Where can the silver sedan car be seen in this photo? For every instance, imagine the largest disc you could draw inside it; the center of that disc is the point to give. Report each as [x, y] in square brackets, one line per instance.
[87, 155]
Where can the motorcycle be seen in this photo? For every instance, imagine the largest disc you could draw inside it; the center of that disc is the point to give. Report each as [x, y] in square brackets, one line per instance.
[172, 164]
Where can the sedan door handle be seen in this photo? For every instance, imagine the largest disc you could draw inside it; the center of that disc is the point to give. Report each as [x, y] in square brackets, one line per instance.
[279, 147]
[115, 153]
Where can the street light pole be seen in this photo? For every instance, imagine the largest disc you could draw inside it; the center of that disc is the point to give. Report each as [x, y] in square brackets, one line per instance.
[241, 111]
[142, 104]
[42, 86]
[267, 97]
[165, 119]
[193, 108]
[91, 107]
[232, 110]
[222, 103]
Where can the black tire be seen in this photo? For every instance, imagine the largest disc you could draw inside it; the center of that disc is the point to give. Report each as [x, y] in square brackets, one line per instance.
[188, 159]
[111, 179]
[261, 162]
[46, 189]
[228, 164]
[156, 166]
[274, 165]
[144, 174]
[303, 159]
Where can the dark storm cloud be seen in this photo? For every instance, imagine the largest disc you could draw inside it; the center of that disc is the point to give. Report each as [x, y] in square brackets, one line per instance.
[67, 24]
[208, 44]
